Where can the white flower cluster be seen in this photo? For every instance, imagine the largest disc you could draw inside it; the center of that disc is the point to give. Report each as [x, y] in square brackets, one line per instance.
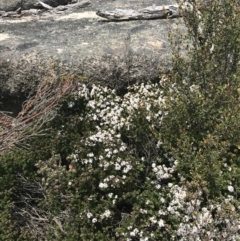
[162, 172]
[207, 222]
[73, 157]
[116, 160]
[135, 232]
[106, 214]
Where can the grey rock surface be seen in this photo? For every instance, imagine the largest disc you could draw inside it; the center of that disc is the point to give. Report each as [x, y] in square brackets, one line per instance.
[110, 53]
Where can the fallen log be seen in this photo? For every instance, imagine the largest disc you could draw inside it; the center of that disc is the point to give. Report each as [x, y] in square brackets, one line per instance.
[154, 12]
[77, 5]
[46, 8]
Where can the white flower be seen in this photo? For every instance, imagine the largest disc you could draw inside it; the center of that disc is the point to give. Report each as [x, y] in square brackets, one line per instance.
[230, 188]
[123, 163]
[117, 167]
[103, 185]
[122, 148]
[69, 183]
[70, 104]
[129, 228]
[90, 154]
[144, 239]
[127, 169]
[134, 232]
[161, 223]
[148, 118]
[90, 161]
[143, 211]
[160, 212]
[171, 209]
[159, 144]
[147, 202]
[106, 214]
[166, 176]
[89, 215]
[106, 165]
[110, 195]
[94, 220]
[153, 219]
[148, 106]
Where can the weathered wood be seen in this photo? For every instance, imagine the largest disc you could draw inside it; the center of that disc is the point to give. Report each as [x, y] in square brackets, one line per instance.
[44, 5]
[154, 12]
[61, 8]
[16, 13]
[77, 5]
[46, 8]
[81, 4]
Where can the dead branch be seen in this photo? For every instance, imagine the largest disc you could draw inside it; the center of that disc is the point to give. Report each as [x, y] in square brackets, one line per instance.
[28, 215]
[36, 111]
[81, 4]
[25, 210]
[44, 5]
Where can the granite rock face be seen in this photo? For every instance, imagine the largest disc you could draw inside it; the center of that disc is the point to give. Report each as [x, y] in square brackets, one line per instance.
[79, 42]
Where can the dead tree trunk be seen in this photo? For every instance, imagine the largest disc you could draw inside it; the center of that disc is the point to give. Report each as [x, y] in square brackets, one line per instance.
[155, 12]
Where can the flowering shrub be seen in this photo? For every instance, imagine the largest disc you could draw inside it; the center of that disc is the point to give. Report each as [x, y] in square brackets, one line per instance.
[123, 185]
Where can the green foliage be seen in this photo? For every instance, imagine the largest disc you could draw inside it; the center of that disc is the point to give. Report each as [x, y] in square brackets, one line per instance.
[202, 125]
[11, 163]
